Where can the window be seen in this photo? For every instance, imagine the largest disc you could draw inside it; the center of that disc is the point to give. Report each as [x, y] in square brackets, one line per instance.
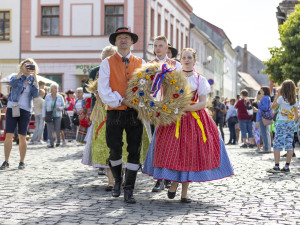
[55, 77]
[114, 18]
[171, 34]
[186, 42]
[181, 40]
[166, 28]
[177, 39]
[159, 24]
[50, 21]
[4, 25]
[152, 23]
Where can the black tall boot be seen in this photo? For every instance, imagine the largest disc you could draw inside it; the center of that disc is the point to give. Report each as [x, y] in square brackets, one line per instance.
[117, 173]
[130, 177]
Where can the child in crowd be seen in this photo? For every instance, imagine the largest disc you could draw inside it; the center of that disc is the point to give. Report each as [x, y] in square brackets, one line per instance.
[286, 100]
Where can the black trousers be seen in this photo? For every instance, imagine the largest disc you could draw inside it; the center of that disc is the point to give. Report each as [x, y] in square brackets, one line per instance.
[220, 122]
[118, 121]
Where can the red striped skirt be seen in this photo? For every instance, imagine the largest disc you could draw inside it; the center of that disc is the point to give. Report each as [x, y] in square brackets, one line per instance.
[188, 152]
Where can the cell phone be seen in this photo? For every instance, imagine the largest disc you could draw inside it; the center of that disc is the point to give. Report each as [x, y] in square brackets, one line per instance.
[31, 67]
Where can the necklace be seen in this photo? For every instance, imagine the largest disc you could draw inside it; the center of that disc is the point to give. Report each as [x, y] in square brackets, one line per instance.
[187, 71]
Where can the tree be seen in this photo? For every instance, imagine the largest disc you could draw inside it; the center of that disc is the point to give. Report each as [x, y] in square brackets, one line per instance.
[285, 61]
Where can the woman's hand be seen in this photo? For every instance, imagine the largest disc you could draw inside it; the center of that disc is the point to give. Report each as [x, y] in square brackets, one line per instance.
[19, 74]
[58, 109]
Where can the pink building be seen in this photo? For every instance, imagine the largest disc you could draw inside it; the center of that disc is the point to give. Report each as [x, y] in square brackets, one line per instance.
[65, 37]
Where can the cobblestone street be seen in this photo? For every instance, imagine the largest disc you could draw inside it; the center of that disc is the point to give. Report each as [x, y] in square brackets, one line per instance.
[55, 188]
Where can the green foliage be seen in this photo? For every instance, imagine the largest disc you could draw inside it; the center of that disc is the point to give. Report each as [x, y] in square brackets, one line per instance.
[285, 61]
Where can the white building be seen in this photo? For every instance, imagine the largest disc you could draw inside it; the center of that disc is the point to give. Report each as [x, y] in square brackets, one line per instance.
[9, 38]
[217, 59]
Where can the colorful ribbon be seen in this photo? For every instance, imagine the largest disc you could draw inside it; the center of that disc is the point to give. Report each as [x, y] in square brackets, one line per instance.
[155, 87]
[98, 129]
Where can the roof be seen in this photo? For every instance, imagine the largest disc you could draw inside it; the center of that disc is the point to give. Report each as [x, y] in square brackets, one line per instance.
[213, 27]
[249, 81]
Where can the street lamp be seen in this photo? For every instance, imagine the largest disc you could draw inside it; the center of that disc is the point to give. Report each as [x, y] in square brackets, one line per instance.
[209, 58]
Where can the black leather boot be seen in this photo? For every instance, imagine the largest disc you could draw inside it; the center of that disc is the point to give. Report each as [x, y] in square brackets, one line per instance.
[130, 177]
[159, 186]
[167, 183]
[117, 173]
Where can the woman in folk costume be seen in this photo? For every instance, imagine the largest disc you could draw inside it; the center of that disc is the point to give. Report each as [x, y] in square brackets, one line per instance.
[84, 121]
[95, 137]
[190, 150]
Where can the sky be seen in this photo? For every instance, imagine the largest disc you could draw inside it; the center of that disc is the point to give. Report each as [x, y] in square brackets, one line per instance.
[251, 22]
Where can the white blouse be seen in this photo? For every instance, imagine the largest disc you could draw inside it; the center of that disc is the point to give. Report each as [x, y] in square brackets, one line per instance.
[203, 85]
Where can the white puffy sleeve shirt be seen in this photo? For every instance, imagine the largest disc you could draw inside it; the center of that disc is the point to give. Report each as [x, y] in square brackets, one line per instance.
[202, 85]
[107, 95]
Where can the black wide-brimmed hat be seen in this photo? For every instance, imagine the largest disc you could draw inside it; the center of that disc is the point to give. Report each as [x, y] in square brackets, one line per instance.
[173, 50]
[123, 30]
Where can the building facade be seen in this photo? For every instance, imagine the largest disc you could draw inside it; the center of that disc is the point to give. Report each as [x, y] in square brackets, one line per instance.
[285, 8]
[9, 38]
[66, 37]
[250, 64]
[217, 57]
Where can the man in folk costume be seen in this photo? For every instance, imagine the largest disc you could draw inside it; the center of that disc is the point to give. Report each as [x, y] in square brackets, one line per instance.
[161, 48]
[114, 74]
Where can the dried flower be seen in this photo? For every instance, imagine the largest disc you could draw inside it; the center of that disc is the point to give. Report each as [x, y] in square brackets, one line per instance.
[164, 108]
[142, 81]
[176, 95]
[135, 101]
[173, 81]
[134, 89]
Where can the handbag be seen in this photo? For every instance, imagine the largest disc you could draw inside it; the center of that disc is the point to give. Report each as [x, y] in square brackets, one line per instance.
[234, 120]
[16, 106]
[65, 121]
[267, 122]
[250, 112]
[49, 114]
[16, 110]
[75, 119]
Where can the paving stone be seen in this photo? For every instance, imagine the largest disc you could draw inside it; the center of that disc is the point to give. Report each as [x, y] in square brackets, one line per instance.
[67, 192]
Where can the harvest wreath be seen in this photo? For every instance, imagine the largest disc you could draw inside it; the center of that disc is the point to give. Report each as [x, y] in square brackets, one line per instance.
[144, 85]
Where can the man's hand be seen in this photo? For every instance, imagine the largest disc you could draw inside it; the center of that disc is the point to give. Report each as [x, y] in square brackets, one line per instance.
[128, 104]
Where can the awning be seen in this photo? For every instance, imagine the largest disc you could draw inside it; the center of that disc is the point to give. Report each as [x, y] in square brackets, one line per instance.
[6, 79]
[249, 81]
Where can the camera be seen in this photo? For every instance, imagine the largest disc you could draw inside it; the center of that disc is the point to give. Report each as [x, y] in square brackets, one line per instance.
[31, 67]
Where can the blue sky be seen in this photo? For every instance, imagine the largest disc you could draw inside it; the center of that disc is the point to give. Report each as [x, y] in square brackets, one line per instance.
[251, 22]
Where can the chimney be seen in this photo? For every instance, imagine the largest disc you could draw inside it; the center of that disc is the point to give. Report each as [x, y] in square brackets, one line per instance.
[245, 59]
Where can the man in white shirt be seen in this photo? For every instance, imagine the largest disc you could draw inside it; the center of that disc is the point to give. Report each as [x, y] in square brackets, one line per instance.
[160, 49]
[114, 74]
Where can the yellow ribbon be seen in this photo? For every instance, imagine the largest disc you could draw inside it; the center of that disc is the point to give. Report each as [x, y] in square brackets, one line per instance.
[177, 128]
[195, 115]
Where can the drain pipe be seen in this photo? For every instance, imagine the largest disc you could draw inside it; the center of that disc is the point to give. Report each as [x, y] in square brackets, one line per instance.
[145, 31]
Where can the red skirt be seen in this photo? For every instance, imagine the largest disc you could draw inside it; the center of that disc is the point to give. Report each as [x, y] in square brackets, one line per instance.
[188, 152]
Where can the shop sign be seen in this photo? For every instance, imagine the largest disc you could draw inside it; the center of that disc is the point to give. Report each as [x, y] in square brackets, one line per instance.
[85, 69]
